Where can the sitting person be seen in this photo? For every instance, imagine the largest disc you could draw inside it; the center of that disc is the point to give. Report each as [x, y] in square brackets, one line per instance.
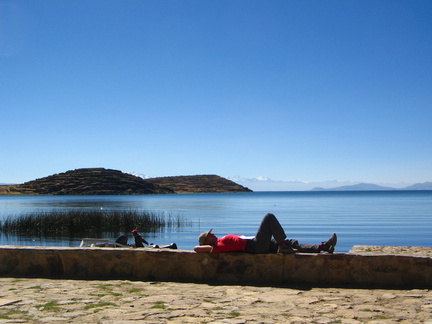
[138, 239]
[270, 238]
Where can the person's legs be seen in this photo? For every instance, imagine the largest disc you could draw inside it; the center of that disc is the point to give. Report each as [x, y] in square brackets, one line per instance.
[274, 246]
[269, 227]
[308, 248]
[327, 246]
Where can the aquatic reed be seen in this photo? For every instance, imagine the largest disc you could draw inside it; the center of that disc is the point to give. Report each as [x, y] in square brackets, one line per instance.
[76, 222]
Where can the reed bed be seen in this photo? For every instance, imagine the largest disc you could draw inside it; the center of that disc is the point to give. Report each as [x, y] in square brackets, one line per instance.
[80, 222]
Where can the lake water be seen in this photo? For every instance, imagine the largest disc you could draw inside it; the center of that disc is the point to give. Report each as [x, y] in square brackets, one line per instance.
[402, 218]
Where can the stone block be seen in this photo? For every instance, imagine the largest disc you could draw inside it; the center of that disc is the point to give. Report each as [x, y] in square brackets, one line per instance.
[240, 268]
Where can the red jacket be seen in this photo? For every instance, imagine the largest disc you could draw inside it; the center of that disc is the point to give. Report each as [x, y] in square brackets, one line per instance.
[229, 243]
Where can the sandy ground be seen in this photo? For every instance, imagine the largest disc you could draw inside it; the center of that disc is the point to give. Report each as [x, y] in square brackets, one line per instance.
[24, 300]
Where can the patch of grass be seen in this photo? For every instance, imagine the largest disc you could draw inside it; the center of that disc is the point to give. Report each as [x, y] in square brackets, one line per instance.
[50, 306]
[159, 304]
[366, 310]
[98, 305]
[34, 287]
[15, 312]
[104, 286]
[235, 314]
[12, 312]
[126, 283]
[81, 222]
[379, 317]
[135, 290]
[107, 288]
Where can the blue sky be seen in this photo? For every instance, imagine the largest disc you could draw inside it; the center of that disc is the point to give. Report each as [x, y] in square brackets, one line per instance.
[290, 90]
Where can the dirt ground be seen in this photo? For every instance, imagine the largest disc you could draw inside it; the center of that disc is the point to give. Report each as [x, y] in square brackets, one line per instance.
[24, 300]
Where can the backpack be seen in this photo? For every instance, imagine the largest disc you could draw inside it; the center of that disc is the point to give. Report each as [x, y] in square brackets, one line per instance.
[122, 240]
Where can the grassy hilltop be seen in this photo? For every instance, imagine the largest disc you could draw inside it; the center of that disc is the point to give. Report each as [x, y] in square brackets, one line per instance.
[100, 181]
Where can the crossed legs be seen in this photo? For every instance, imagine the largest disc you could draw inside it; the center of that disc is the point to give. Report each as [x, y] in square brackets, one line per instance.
[271, 235]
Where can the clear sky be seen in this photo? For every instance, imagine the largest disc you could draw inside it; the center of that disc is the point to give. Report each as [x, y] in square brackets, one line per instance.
[290, 90]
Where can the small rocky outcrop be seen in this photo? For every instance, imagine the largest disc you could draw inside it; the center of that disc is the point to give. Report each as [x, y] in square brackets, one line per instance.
[92, 181]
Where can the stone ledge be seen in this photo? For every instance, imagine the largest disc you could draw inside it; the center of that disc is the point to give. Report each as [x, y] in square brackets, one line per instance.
[351, 268]
[416, 251]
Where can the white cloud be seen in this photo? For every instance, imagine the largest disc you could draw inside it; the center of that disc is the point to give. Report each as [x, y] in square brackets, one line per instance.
[140, 175]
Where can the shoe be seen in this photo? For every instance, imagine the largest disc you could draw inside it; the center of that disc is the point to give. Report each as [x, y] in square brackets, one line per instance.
[292, 243]
[171, 246]
[285, 248]
[329, 245]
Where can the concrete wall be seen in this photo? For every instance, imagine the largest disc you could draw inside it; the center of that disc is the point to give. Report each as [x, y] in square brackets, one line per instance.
[177, 265]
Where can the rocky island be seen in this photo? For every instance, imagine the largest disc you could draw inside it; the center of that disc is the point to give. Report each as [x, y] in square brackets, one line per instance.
[100, 181]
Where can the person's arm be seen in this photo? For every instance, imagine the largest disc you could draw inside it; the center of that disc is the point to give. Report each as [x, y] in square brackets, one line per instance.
[203, 248]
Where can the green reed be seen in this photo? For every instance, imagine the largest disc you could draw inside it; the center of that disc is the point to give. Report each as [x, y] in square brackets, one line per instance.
[76, 222]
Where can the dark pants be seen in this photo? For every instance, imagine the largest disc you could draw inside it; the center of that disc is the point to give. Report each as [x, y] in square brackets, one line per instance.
[270, 233]
[263, 242]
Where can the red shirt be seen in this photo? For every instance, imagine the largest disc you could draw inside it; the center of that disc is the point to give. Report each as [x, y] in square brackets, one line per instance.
[229, 243]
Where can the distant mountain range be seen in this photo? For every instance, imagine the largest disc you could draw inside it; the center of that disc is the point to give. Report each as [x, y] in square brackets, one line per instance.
[191, 184]
[267, 184]
[371, 187]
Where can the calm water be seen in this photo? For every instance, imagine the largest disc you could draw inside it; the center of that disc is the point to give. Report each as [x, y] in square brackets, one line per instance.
[401, 218]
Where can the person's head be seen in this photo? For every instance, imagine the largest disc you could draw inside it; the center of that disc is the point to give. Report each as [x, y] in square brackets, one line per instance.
[134, 232]
[207, 238]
